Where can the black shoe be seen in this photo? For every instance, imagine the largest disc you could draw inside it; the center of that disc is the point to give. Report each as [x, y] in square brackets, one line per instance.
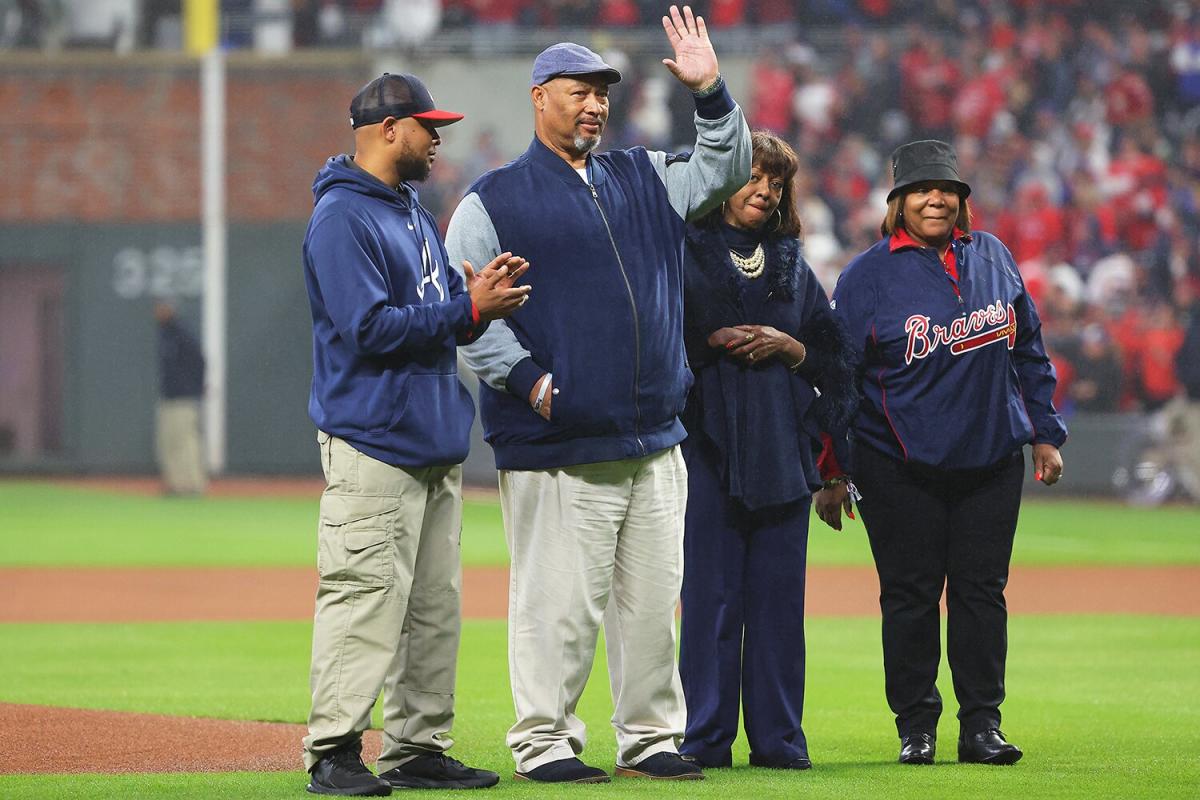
[917, 748]
[799, 762]
[987, 747]
[438, 771]
[565, 770]
[705, 763]
[342, 772]
[663, 767]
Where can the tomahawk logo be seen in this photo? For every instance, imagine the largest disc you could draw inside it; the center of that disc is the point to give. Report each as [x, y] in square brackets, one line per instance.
[431, 272]
[984, 326]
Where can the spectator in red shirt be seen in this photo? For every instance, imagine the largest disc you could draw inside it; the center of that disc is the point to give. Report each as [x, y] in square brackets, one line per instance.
[929, 79]
[1162, 338]
[1128, 99]
[726, 13]
[770, 103]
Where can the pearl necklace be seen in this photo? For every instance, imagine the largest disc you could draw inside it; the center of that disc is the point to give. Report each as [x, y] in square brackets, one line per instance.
[751, 267]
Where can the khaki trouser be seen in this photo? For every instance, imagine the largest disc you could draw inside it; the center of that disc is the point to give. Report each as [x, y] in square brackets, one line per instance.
[1183, 430]
[388, 605]
[589, 541]
[180, 451]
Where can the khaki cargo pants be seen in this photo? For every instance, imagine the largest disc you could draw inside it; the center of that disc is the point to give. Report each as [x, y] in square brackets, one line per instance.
[388, 605]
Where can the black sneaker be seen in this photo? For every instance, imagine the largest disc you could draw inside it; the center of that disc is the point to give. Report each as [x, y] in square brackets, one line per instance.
[663, 767]
[438, 771]
[342, 772]
[565, 770]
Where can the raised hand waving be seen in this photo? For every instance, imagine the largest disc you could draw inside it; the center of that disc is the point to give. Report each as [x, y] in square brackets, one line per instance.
[695, 62]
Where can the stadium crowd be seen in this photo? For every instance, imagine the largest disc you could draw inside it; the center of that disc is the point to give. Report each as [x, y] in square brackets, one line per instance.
[1079, 129]
[1077, 123]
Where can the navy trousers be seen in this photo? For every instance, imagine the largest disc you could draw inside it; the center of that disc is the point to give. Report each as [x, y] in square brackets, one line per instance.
[932, 528]
[743, 620]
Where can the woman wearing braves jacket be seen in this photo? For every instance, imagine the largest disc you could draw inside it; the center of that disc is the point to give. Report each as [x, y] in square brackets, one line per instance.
[955, 382]
[761, 340]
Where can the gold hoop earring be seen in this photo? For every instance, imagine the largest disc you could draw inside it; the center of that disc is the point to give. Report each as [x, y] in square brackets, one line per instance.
[778, 222]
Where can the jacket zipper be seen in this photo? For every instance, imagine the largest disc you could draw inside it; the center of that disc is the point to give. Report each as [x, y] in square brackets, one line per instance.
[962, 310]
[637, 336]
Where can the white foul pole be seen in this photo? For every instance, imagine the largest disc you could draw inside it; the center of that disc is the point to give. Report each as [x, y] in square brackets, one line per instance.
[212, 160]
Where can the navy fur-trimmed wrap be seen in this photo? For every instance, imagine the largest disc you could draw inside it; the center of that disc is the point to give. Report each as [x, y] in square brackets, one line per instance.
[764, 419]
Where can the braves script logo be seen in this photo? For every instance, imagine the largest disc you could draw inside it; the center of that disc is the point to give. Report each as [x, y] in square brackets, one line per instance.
[978, 329]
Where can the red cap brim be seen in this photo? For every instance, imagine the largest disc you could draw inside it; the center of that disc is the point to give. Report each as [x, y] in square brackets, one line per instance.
[438, 118]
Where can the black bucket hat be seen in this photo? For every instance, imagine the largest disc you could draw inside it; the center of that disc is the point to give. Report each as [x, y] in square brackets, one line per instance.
[926, 160]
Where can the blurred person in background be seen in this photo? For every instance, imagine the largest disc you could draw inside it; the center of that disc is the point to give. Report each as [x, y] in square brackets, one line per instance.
[181, 398]
[580, 394]
[1160, 339]
[393, 427]
[955, 381]
[772, 370]
[1186, 408]
[1097, 383]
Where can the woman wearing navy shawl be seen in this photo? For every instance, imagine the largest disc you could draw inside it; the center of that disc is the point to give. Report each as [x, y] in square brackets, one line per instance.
[772, 371]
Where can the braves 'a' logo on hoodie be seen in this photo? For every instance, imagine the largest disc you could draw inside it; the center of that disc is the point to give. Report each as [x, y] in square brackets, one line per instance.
[981, 327]
[431, 272]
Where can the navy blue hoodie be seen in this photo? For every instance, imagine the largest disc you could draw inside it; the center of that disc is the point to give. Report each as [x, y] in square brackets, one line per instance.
[387, 313]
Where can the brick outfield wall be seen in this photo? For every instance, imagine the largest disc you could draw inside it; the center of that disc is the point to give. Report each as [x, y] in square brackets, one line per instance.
[109, 142]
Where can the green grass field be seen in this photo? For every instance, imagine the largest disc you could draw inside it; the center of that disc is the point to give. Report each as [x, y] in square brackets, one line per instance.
[1105, 706]
[47, 525]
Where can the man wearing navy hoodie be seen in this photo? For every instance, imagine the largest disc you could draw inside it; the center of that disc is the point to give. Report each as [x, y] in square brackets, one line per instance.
[580, 393]
[393, 426]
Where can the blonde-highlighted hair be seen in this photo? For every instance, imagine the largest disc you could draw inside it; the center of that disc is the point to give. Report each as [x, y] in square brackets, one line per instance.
[894, 220]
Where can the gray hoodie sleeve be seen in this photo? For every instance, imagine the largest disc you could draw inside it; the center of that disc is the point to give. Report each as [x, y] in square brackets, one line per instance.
[718, 167]
[472, 237]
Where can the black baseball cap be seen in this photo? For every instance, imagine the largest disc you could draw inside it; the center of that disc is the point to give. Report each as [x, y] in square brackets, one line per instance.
[397, 96]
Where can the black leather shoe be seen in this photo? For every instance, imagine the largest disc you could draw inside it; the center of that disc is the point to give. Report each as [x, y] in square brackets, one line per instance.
[438, 771]
[987, 747]
[917, 748]
[342, 772]
[800, 762]
[705, 763]
[663, 767]
[565, 770]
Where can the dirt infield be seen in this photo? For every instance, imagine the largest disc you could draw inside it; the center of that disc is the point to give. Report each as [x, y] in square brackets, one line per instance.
[35, 739]
[179, 594]
[41, 740]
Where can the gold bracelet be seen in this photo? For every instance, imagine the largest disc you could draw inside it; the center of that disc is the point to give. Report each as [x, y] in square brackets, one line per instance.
[803, 357]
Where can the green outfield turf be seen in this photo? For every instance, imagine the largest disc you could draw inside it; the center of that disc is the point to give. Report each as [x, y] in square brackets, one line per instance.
[43, 524]
[1104, 707]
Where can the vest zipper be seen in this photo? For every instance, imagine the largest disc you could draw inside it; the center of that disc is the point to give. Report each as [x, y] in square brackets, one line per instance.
[637, 336]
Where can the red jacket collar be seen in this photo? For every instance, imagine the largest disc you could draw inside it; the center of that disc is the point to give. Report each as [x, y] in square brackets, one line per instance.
[900, 239]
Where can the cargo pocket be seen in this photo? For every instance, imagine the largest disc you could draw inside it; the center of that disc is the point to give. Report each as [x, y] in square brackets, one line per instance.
[355, 540]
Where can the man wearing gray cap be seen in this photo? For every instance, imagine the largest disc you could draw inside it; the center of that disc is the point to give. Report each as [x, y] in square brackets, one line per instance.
[580, 395]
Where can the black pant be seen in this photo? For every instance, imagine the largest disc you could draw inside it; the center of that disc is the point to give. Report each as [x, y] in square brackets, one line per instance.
[928, 528]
